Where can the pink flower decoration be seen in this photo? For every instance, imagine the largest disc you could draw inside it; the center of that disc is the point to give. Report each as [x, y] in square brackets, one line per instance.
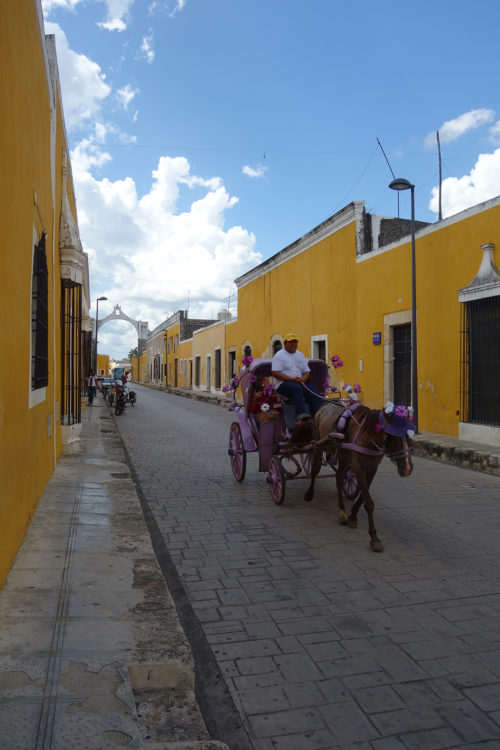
[357, 388]
[401, 411]
[379, 427]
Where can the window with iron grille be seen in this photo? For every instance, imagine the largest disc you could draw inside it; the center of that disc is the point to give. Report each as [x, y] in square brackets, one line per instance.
[40, 317]
[75, 349]
[480, 361]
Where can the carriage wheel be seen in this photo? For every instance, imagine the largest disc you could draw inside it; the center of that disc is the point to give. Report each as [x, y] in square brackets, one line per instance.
[277, 479]
[306, 461]
[350, 486]
[237, 453]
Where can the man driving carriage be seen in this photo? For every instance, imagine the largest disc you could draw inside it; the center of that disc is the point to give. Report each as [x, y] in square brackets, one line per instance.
[291, 373]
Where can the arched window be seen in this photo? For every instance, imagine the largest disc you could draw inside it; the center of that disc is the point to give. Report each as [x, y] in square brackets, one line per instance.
[248, 351]
[277, 346]
[39, 318]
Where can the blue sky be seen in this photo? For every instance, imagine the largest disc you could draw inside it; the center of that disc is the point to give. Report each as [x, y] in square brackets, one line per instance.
[206, 135]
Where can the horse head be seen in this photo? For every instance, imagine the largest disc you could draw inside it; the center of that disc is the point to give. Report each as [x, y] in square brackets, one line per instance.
[398, 431]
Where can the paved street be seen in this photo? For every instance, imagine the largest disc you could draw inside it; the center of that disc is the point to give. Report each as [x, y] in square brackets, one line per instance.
[324, 644]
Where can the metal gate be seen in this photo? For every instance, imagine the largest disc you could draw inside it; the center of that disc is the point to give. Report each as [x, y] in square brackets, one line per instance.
[402, 363]
[480, 362]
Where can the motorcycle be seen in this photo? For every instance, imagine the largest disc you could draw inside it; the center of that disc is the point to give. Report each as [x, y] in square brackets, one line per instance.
[124, 398]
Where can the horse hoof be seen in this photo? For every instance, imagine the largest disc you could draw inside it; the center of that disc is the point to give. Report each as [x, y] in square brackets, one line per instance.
[342, 517]
[353, 523]
[308, 497]
[376, 545]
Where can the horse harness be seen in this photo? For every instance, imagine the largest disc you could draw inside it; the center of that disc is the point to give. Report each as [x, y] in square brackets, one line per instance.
[347, 414]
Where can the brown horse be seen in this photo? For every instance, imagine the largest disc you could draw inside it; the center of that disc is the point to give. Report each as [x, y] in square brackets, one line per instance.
[369, 435]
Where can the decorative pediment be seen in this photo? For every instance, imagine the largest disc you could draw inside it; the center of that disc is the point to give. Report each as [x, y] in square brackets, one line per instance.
[487, 280]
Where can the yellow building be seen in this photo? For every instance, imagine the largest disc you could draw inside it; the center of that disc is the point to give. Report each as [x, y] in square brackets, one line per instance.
[345, 288]
[44, 289]
[103, 365]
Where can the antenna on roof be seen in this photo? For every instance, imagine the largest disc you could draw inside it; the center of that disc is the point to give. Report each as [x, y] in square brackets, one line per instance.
[393, 175]
[440, 212]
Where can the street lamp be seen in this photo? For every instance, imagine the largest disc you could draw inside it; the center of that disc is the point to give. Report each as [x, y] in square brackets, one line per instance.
[99, 299]
[401, 184]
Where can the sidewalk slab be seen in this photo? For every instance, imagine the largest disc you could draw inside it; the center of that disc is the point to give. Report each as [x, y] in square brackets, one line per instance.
[92, 653]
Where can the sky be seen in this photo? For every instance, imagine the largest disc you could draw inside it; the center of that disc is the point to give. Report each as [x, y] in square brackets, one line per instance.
[207, 135]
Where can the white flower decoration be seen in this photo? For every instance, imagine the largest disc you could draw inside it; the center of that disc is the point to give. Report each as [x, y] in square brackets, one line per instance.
[410, 411]
[389, 407]
[265, 407]
[353, 396]
[411, 434]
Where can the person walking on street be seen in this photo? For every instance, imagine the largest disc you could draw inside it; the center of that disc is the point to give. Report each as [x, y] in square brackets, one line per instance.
[91, 386]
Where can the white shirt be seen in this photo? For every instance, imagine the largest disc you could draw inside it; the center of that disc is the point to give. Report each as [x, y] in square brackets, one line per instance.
[292, 364]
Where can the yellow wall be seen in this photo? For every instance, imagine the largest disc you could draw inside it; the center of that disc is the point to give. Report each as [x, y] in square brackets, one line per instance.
[447, 259]
[172, 337]
[325, 289]
[186, 355]
[30, 433]
[103, 364]
[205, 342]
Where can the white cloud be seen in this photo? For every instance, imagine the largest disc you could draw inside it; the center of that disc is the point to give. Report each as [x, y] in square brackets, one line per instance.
[49, 5]
[179, 5]
[459, 193]
[495, 132]
[117, 17]
[83, 85]
[145, 253]
[147, 48]
[125, 95]
[453, 129]
[118, 11]
[258, 171]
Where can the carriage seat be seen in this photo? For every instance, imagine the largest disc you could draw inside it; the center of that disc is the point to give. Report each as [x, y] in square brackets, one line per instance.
[289, 415]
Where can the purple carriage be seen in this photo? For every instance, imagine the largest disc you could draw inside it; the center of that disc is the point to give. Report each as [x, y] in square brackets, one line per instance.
[280, 457]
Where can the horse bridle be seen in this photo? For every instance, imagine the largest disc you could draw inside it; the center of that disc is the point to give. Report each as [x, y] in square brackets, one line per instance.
[348, 413]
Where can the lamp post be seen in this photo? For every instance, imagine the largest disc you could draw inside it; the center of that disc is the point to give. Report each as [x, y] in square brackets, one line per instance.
[401, 184]
[99, 299]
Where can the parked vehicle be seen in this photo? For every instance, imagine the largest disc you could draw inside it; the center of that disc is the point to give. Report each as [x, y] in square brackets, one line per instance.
[105, 386]
[124, 398]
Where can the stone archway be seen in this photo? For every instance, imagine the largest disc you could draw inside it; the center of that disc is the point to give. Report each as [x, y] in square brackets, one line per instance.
[140, 326]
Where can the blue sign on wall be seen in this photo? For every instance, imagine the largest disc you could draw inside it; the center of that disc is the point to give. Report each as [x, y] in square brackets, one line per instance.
[377, 337]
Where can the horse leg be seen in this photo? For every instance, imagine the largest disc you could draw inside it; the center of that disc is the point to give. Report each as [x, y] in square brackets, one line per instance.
[339, 478]
[375, 542]
[315, 469]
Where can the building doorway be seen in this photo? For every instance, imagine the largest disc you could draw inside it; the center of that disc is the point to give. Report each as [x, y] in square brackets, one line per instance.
[402, 364]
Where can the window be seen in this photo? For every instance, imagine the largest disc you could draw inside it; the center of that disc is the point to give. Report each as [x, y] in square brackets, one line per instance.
[480, 386]
[197, 370]
[156, 367]
[231, 364]
[75, 344]
[217, 369]
[277, 346]
[209, 372]
[39, 317]
[248, 351]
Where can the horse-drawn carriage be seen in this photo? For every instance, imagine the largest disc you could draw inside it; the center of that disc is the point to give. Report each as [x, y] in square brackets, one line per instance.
[271, 436]
[346, 437]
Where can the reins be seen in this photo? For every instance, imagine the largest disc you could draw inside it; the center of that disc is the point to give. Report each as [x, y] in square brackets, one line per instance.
[347, 414]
